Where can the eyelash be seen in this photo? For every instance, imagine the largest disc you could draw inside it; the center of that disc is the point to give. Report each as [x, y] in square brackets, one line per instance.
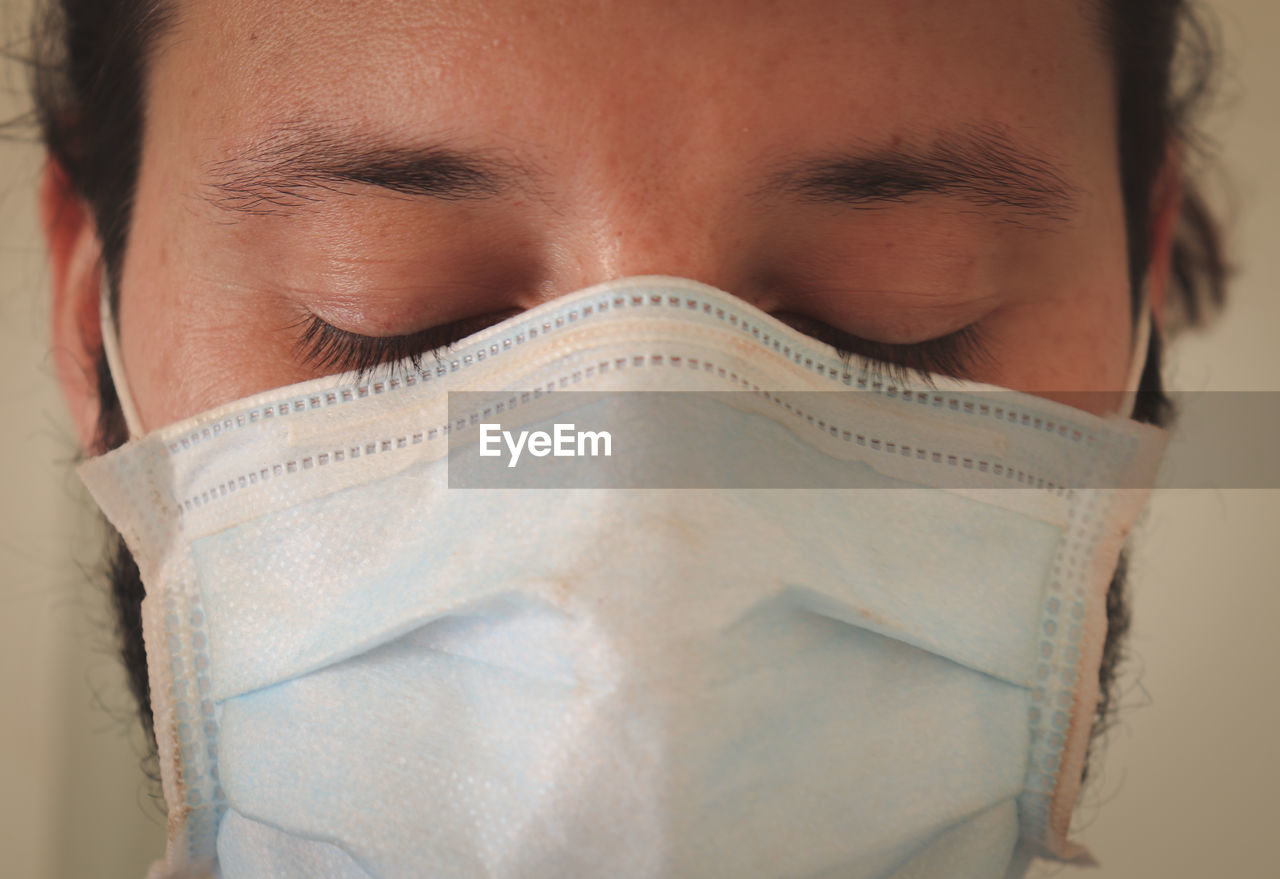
[957, 354]
[324, 346]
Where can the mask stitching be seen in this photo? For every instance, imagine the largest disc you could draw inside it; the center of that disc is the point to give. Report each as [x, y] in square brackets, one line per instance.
[193, 718]
[1053, 711]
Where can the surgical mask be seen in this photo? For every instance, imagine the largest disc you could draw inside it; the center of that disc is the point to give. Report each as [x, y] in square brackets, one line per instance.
[359, 671]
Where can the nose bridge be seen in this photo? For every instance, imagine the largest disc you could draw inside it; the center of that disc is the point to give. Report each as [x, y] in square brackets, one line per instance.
[656, 226]
[668, 232]
[660, 196]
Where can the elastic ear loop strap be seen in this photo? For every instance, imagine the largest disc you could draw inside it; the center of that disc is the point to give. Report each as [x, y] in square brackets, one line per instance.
[115, 364]
[1141, 343]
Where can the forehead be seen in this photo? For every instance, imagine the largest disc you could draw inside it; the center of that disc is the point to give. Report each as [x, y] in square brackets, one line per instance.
[635, 78]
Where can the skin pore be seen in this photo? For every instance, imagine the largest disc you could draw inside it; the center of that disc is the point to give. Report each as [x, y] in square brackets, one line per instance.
[898, 171]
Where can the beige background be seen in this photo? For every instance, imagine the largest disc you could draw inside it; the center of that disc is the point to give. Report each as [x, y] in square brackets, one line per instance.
[1187, 785]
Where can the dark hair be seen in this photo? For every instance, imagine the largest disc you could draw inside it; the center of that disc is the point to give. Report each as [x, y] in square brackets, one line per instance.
[90, 87]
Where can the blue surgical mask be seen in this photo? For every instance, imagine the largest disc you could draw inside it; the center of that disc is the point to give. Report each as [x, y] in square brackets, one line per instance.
[358, 670]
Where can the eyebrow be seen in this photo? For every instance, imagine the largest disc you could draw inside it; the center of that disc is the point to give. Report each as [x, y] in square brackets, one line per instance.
[981, 165]
[299, 165]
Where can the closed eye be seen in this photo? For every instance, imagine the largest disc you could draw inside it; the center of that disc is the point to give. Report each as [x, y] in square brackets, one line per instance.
[957, 354]
[326, 347]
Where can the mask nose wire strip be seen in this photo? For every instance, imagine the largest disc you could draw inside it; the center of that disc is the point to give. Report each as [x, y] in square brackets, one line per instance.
[115, 364]
[1141, 342]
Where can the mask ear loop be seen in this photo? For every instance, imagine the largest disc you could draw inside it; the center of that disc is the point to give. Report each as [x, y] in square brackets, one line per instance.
[1141, 343]
[115, 364]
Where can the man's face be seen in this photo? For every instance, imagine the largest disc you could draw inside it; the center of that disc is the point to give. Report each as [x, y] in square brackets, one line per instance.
[897, 170]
